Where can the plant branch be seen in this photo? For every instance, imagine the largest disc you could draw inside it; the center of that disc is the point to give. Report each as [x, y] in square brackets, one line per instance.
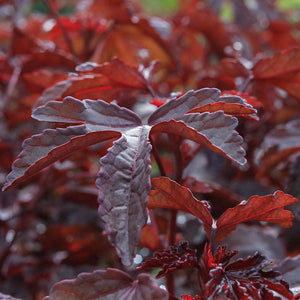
[61, 26]
[157, 157]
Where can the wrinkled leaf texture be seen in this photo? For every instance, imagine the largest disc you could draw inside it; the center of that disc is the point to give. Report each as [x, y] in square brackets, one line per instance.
[107, 284]
[124, 178]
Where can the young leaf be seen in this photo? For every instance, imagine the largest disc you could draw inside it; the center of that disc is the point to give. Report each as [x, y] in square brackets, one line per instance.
[177, 257]
[214, 130]
[258, 208]
[124, 184]
[42, 150]
[107, 285]
[169, 194]
[239, 279]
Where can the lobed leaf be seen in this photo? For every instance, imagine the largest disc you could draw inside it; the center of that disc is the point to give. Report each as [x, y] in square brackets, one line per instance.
[124, 184]
[214, 130]
[107, 284]
[169, 194]
[258, 208]
[176, 108]
[105, 115]
[42, 150]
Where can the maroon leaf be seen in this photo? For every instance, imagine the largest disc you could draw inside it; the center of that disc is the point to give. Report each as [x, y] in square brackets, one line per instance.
[107, 285]
[176, 108]
[214, 130]
[124, 184]
[282, 69]
[42, 150]
[169, 194]
[105, 116]
[176, 257]
[258, 208]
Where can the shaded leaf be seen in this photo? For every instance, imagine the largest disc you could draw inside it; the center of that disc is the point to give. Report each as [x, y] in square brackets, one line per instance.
[124, 184]
[258, 208]
[169, 194]
[42, 150]
[214, 130]
[107, 285]
[105, 116]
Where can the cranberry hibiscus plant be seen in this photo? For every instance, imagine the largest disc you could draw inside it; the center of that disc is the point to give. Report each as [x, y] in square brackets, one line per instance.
[127, 193]
[172, 165]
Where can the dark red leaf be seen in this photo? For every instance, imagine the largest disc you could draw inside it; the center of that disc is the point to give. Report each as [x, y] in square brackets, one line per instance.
[214, 130]
[124, 184]
[169, 194]
[258, 208]
[109, 284]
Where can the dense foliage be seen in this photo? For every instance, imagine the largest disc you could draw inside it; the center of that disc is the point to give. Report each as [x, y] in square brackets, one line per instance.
[149, 157]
